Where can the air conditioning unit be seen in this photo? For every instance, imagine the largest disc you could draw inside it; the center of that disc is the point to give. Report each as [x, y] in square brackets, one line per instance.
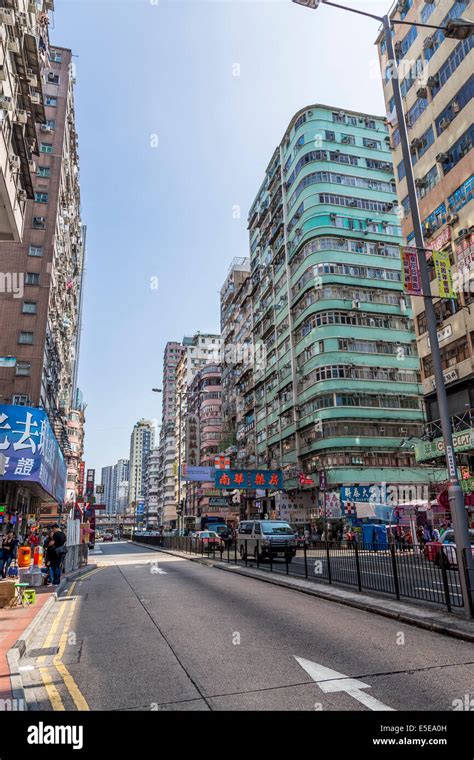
[403, 431]
[35, 98]
[6, 102]
[444, 123]
[46, 128]
[442, 158]
[416, 143]
[13, 46]
[21, 116]
[452, 219]
[22, 195]
[15, 162]
[420, 183]
[3, 73]
[310, 113]
[428, 42]
[22, 18]
[433, 81]
[32, 165]
[32, 7]
[7, 16]
[463, 232]
[398, 48]
[422, 92]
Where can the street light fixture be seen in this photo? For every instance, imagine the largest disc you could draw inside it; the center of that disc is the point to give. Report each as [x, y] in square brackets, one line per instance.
[455, 29]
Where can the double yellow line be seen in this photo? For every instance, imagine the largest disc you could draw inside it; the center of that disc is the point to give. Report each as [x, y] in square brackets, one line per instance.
[72, 687]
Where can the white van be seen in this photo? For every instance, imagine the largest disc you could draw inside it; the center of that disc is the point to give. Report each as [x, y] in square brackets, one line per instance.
[265, 538]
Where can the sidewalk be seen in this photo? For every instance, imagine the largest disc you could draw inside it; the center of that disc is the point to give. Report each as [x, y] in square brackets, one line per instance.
[16, 626]
[13, 622]
[420, 615]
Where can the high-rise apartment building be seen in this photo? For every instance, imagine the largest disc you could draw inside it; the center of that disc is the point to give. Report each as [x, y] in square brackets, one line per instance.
[166, 512]
[141, 443]
[238, 418]
[199, 350]
[120, 486]
[152, 489]
[339, 389]
[25, 66]
[41, 316]
[203, 426]
[40, 323]
[437, 84]
[107, 482]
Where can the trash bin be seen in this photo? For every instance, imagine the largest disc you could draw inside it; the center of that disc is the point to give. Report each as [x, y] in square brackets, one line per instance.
[24, 556]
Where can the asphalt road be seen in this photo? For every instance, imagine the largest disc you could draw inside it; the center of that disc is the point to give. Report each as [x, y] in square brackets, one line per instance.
[151, 631]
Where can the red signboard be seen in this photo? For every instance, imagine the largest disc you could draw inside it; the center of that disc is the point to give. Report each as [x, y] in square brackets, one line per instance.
[411, 271]
[440, 240]
[80, 480]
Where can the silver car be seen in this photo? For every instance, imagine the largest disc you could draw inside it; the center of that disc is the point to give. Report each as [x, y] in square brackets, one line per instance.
[448, 547]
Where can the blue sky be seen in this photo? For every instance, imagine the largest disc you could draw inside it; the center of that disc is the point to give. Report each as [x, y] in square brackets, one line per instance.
[163, 73]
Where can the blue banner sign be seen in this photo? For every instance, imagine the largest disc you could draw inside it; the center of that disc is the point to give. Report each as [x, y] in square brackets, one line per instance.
[31, 449]
[241, 479]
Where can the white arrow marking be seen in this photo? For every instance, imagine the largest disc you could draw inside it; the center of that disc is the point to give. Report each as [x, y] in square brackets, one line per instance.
[330, 680]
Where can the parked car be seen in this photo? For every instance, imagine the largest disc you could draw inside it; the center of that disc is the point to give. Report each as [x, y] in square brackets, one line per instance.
[108, 537]
[447, 545]
[208, 540]
[265, 538]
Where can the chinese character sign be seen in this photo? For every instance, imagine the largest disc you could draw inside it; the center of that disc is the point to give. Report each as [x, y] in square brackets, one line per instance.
[442, 267]
[31, 450]
[241, 479]
[410, 271]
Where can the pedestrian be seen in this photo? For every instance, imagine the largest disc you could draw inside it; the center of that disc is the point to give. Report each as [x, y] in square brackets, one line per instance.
[427, 534]
[436, 534]
[419, 535]
[9, 547]
[56, 552]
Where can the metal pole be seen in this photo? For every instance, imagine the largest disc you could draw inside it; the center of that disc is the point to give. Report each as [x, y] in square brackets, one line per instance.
[456, 498]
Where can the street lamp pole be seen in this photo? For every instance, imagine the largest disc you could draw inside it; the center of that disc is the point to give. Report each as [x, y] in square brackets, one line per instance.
[455, 494]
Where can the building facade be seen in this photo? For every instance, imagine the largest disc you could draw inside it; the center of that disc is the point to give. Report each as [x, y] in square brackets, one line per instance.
[152, 489]
[166, 512]
[107, 482]
[437, 84]
[339, 389]
[25, 65]
[199, 350]
[141, 443]
[41, 319]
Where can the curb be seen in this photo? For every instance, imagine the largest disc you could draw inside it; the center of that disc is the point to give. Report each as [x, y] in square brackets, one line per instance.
[20, 646]
[402, 617]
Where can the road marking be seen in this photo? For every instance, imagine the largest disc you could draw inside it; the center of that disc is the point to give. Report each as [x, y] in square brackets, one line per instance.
[72, 687]
[51, 690]
[331, 681]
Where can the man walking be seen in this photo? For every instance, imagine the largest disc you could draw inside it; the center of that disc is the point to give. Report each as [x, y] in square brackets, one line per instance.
[56, 552]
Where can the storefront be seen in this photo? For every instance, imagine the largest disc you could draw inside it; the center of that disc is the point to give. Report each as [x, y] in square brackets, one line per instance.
[34, 470]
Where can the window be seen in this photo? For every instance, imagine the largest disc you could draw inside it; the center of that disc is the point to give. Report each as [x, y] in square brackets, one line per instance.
[29, 307]
[374, 144]
[300, 121]
[35, 250]
[41, 197]
[330, 135]
[50, 123]
[46, 148]
[339, 117]
[55, 56]
[459, 149]
[25, 338]
[53, 78]
[32, 278]
[50, 101]
[23, 369]
[348, 139]
[39, 222]
[43, 171]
